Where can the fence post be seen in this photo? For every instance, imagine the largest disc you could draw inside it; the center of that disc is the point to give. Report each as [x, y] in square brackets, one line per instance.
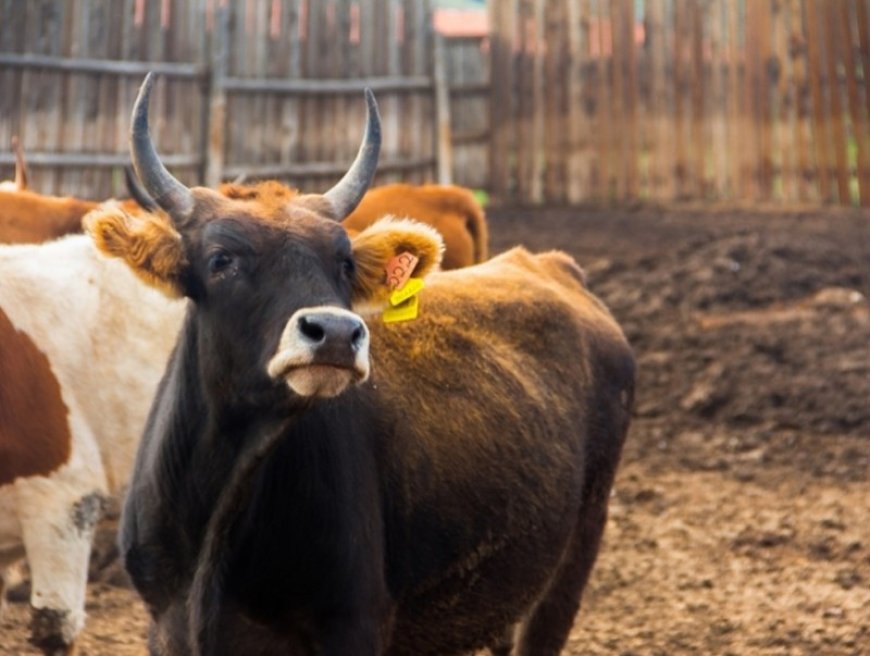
[443, 145]
[216, 100]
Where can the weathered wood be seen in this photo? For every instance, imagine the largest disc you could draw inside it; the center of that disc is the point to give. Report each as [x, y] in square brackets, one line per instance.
[102, 66]
[833, 43]
[73, 160]
[444, 152]
[800, 83]
[856, 119]
[820, 138]
[214, 112]
[662, 161]
[320, 169]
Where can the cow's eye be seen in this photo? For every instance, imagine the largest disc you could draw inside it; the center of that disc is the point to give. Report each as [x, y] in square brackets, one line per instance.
[220, 261]
[348, 267]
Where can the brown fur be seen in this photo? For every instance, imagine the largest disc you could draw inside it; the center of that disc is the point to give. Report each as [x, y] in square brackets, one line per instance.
[376, 245]
[35, 438]
[146, 242]
[452, 211]
[29, 218]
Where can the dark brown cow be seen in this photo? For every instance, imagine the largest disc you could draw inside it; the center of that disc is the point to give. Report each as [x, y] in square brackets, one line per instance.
[293, 495]
[451, 210]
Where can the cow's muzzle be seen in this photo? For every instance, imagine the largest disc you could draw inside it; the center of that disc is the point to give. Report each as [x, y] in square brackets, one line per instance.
[322, 351]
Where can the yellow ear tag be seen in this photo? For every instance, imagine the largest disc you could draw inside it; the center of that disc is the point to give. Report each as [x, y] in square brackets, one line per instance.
[410, 289]
[403, 312]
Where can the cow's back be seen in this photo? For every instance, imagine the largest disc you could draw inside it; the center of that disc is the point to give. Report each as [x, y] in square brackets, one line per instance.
[30, 218]
[496, 407]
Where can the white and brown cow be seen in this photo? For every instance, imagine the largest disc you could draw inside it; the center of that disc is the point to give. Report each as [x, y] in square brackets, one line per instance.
[82, 346]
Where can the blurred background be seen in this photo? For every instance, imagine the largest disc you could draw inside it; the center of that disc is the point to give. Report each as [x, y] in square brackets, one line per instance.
[534, 101]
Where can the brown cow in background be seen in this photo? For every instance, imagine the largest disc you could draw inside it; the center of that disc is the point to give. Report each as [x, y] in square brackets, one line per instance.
[452, 211]
[30, 218]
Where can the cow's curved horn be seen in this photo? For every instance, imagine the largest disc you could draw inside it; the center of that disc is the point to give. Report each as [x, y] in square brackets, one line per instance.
[166, 191]
[348, 192]
[137, 191]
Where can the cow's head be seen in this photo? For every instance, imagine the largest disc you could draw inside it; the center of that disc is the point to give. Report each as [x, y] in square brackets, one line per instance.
[272, 274]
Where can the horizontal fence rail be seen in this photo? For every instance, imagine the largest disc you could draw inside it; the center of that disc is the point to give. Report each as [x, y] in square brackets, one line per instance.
[262, 88]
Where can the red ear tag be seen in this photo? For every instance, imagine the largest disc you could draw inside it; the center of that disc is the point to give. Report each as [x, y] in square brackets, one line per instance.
[399, 269]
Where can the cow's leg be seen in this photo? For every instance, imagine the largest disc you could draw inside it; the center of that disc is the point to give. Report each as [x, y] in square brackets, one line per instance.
[546, 630]
[57, 522]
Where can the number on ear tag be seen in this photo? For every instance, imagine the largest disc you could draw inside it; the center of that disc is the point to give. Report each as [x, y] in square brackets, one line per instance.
[404, 312]
[400, 268]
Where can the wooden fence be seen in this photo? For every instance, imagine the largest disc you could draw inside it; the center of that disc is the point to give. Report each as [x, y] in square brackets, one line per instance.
[669, 99]
[466, 62]
[251, 87]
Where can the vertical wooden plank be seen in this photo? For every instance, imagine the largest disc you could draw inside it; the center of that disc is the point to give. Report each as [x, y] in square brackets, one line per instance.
[525, 100]
[857, 118]
[604, 92]
[751, 152]
[631, 105]
[214, 139]
[444, 154]
[580, 149]
[717, 105]
[801, 90]
[681, 167]
[74, 91]
[535, 145]
[290, 122]
[862, 10]
[764, 82]
[617, 145]
[833, 41]
[502, 15]
[736, 131]
[820, 138]
[698, 178]
[662, 164]
[782, 105]
[552, 29]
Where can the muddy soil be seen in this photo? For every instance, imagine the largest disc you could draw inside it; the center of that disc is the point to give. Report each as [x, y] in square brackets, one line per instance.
[740, 521]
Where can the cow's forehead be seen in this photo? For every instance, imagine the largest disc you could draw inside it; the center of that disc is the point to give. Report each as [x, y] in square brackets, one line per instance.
[261, 212]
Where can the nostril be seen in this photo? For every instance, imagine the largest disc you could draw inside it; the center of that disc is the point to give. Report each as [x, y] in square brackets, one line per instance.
[311, 329]
[356, 336]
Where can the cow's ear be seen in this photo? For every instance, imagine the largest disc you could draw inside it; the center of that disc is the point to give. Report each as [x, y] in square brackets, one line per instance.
[147, 242]
[377, 245]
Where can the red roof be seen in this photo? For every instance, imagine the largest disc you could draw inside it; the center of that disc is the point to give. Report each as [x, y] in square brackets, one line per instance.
[461, 22]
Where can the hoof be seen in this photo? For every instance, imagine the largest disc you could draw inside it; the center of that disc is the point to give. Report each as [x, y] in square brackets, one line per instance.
[50, 632]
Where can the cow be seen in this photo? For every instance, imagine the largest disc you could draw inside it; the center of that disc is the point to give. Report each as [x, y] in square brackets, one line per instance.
[450, 209]
[20, 181]
[83, 344]
[309, 482]
[29, 218]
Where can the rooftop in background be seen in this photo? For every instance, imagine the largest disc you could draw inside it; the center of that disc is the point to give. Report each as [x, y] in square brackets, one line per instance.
[460, 4]
[462, 22]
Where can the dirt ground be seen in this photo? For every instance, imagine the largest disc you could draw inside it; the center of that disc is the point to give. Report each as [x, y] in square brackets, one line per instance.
[740, 521]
